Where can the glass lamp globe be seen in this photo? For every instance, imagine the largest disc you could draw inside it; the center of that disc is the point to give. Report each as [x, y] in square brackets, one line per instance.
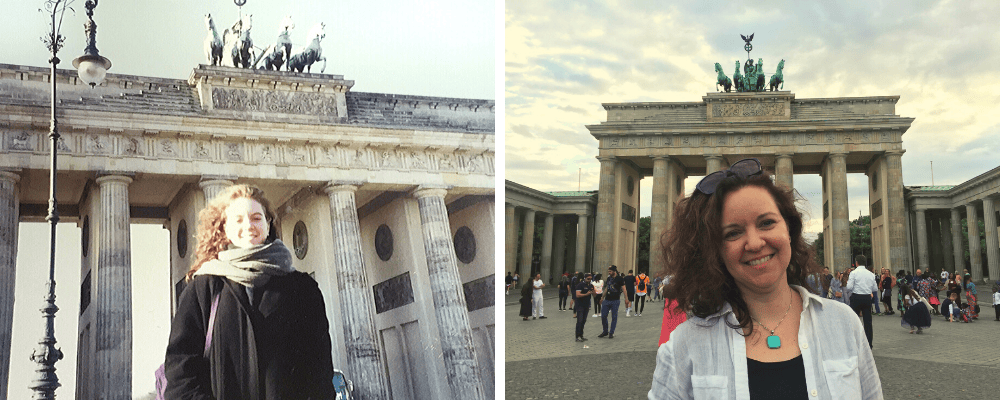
[92, 68]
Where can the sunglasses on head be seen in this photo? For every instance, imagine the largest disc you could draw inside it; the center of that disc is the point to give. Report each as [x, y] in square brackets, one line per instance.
[742, 169]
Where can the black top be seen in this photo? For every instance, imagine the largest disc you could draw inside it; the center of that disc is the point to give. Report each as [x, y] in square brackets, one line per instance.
[777, 380]
[585, 288]
[564, 286]
[613, 288]
[630, 283]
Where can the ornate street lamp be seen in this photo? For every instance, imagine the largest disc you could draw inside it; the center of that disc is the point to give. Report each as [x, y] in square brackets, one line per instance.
[92, 68]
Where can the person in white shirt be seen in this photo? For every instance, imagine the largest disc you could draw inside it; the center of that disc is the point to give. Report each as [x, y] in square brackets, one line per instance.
[738, 263]
[996, 303]
[536, 298]
[862, 285]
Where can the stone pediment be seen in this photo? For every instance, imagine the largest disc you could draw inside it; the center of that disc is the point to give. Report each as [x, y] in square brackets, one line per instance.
[261, 94]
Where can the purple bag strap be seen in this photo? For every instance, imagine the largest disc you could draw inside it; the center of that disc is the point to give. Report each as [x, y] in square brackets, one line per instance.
[211, 323]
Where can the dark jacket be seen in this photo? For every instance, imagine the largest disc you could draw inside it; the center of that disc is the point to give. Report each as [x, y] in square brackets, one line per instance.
[277, 349]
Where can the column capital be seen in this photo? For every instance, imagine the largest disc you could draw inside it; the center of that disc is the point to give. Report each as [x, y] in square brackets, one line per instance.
[606, 158]
[120, 178]
[332, 187]
[786, 155]
[430, 190]
[710, 156]
[203, 183]
[838, 153]
[895, 152]
[660, 157]
[209, 178]
[9, 176]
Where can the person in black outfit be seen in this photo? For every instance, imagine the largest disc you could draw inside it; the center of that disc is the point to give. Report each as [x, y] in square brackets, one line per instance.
[629, 293]
[584, 290]
[564, 288]
[507, 282]
[612, 298]
[886, 297]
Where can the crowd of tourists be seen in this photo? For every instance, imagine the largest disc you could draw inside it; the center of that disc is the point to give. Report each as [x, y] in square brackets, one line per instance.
[918, 296]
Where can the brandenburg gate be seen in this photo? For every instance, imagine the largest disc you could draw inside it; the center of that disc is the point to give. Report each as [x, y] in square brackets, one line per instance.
[827, 136]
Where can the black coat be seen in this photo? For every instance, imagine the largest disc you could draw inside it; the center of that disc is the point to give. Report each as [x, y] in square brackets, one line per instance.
[277, 349]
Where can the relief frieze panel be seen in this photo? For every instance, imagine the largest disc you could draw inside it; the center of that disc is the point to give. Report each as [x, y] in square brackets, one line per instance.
[98, 144]
[297, 155]
[234, 152]
[202, 150]
[358, 158]
[21, 141]
[748, 110]
[167, 148]
[132, 147]
[238, 99]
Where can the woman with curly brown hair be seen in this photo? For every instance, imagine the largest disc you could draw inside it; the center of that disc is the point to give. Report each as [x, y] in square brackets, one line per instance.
[738, 261]
[248, 325]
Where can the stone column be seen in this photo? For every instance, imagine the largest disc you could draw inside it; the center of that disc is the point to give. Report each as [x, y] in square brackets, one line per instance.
[946, 240]
[607, 204]
[527, 245]
[783, 170]
[660, 212]
[896, 218]
[9, 218]
[713, 163]
[581, 244]
[212, 186]
[510, 242]
[956, 238]
[361, 340]
[922, 240]
[559, 247]
[546, 267]
[571, 241]
[992, 248]
[454, 329]
[975, 253]
[113, 291]
[839, 223]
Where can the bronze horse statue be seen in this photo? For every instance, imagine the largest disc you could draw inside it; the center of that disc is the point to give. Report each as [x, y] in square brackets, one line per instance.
[778, 79]
[722, 79]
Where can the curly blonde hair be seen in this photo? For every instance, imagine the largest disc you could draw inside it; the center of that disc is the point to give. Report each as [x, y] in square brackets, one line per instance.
[212, 219]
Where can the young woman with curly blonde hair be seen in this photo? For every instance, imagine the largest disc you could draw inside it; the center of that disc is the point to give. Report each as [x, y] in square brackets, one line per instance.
[248, 325]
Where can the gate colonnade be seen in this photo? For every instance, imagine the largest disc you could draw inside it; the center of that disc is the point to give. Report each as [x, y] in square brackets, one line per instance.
[567, 236]
[827, 136]
[937, 213]
[386, 200]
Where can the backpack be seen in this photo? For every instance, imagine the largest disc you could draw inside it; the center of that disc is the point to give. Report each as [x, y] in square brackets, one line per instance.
[161, 373]
[642, 284]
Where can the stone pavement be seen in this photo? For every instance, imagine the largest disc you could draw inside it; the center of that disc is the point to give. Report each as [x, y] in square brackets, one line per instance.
[949, 361]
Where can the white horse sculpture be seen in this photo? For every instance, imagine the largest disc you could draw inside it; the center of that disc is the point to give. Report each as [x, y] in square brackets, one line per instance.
[311, 53]
[238, 48]
[213, 45]
[276, 54]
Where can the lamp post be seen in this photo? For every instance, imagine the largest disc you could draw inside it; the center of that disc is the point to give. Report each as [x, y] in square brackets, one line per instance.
[92, 68]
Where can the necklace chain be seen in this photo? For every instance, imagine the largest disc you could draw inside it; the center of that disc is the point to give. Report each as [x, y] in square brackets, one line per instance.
[790, 297]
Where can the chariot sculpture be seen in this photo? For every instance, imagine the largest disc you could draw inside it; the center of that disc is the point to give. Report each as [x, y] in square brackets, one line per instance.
[235, 48]
[752, 79]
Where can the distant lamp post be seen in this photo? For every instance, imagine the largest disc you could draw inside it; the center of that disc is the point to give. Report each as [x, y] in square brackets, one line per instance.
[92, 68]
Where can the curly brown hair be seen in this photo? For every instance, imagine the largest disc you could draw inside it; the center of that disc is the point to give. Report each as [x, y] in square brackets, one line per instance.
[692, 250]
[212, 219]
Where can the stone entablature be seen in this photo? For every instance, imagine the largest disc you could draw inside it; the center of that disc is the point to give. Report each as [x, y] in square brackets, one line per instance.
[986, 185]
[523, 196]
[244, 95]
[876, 138]
[359, 149]
[751, 107]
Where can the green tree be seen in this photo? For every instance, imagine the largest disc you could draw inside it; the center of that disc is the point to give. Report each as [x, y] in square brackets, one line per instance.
[642, 259]
[861, 237]
[818, 246]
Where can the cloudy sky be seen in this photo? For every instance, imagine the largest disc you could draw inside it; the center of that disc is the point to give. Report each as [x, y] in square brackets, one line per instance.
[563, 59]
[443, 48]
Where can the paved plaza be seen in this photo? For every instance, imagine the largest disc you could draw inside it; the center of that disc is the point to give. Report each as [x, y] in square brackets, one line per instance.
[542, 360]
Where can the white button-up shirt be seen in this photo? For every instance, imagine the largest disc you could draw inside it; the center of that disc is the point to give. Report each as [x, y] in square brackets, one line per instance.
[706, 359]
[862, 281]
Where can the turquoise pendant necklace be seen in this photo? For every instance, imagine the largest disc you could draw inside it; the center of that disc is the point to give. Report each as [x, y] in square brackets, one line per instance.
[773, 341]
